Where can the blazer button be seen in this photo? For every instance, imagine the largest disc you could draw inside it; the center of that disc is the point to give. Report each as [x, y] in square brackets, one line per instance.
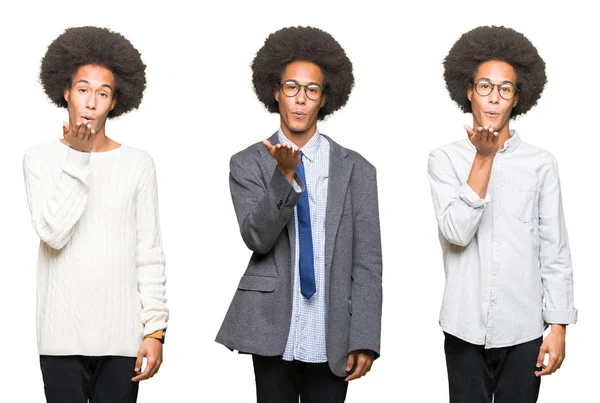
[279, 204]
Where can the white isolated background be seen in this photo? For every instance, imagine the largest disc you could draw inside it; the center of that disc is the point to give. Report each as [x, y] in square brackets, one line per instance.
[199, 108]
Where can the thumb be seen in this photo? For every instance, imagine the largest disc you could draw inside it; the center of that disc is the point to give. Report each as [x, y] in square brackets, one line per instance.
[139, 361]
[268, 145]
[350, 362]
[469, 130]
[66, 128]
[540, 358]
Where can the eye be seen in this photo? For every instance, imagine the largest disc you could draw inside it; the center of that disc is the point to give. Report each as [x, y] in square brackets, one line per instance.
[103, 94]
[506, 88]
[82, 90]
[484, 85]
[313, 89]
[292, 86]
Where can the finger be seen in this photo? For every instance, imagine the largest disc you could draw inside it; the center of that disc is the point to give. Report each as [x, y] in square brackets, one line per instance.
[81, 130]
[88, 132]
[66, 128]
[479, 132]
[144, 375]
[369, 365]
[156, 368]
[550, 368]
[495, 138]
[540, 359]
[358, 372]
[75, 130]
[490, 134]
[363, 362]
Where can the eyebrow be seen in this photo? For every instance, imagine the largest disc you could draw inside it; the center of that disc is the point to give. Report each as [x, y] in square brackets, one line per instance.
[490, 80]
[87, 82]
[296, 81]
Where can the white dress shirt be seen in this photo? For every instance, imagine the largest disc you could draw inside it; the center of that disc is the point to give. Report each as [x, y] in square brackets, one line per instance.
[506, 257]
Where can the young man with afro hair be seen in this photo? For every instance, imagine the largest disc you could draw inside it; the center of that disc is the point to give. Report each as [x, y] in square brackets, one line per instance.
[308, 307]
[93, 202]
[498, 204]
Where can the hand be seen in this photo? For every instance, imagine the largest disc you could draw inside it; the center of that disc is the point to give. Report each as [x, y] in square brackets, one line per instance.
[554, 346]
[362, 360]
[287, 157]
[485, 140]
[80, 137]
[152, 350]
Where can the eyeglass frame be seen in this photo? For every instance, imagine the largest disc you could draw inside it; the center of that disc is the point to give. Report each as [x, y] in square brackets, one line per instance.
[300, 87]
[474, 83]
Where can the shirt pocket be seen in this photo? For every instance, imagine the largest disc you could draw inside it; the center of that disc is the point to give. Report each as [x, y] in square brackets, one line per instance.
[523, 201]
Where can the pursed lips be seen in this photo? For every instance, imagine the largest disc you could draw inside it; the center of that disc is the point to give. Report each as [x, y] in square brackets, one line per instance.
[298, 114]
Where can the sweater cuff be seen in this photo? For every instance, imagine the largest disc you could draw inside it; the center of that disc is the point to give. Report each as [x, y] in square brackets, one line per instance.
[77, 163]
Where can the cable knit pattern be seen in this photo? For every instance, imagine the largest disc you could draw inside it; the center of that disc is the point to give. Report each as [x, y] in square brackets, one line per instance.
[101, 267]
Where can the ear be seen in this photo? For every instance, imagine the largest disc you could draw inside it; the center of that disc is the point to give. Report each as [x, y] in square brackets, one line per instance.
[323, 100]
[516, 100]
[469, 92]
[276, 94]
[113, 103]
[66, 94]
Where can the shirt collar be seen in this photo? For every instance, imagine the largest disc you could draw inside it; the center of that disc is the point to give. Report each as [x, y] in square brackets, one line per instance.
[513, 142]
[310, 149]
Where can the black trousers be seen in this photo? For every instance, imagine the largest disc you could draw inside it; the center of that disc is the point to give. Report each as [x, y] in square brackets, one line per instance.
[507, 373]
[77, 379]
[279, 381]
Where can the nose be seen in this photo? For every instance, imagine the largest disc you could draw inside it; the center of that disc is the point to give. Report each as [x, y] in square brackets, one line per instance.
[301, 96]
[494, 97]
[90, 102]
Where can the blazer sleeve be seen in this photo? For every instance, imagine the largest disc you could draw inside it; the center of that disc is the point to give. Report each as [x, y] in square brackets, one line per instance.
[367, 293]
[263, 203]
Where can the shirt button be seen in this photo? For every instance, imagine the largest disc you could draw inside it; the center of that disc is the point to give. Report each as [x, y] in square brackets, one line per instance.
[491, 304]
[494, 274]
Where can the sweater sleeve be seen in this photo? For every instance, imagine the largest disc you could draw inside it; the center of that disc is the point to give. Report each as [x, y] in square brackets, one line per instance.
[150, 259]
[56, 206]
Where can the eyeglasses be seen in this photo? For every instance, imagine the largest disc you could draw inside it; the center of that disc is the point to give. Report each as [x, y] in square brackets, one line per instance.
[291, 88]
[484, 88]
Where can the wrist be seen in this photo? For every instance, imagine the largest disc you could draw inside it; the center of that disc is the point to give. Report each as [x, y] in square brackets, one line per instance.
[556, 327]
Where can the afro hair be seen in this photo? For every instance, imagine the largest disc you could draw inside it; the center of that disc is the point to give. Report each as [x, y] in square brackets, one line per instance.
[306, 44]
[82, 46]
[495, 43]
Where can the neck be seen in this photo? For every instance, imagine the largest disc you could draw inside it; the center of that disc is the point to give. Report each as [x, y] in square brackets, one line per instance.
[299, 138]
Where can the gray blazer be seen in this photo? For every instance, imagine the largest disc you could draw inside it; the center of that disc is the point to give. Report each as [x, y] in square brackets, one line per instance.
[259, 317]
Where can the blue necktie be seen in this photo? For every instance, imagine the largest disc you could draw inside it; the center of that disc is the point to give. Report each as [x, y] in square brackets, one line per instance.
[306, 262]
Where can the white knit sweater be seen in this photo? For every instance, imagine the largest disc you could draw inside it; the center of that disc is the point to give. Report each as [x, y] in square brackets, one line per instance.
[101, 267]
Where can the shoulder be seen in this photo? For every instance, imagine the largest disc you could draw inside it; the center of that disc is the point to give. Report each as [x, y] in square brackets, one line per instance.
[44, 150]
[451, 148]
[360, 162]
[135, 157]
[249, 153]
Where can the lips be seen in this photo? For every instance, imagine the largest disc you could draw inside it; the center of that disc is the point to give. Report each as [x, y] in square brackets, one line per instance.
[299, 115]
[491, 114]
[88, 119]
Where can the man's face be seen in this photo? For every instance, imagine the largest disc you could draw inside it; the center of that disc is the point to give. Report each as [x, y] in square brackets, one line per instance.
[299, 113]
[493, 110]
[91, 96]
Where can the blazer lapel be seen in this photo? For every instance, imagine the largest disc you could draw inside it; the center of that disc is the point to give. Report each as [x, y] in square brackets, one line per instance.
[340, 169]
